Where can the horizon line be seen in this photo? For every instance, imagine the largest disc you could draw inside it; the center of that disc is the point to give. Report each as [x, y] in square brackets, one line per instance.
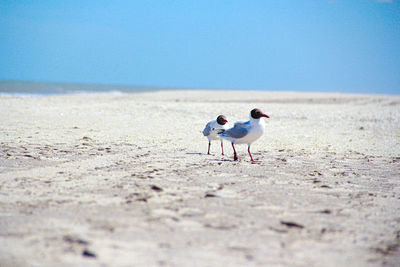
[126, 85]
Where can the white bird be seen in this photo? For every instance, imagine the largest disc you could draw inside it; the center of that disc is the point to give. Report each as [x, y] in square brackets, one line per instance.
[246, 132]
[213, 128]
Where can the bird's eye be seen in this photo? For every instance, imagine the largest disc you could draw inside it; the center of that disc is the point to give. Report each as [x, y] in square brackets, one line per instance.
[213, 129]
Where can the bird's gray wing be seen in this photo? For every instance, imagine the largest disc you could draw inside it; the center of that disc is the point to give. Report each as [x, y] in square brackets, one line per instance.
[239, 130]
[220, 131]
[207, 130]
[241, 124]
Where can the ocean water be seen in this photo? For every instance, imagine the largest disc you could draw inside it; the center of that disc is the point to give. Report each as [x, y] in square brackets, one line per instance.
[32, 89]
[36, 89]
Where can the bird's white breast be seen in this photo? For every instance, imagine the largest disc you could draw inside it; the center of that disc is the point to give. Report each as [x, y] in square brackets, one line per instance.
[215, 129]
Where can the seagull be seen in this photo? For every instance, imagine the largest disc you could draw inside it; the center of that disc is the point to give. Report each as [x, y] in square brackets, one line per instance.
[246, 132]
[213, 128]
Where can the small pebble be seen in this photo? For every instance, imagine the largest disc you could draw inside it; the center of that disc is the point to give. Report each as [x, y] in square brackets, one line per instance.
[88, 253]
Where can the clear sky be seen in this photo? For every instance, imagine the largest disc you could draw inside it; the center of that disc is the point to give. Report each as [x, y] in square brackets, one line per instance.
[298, 45]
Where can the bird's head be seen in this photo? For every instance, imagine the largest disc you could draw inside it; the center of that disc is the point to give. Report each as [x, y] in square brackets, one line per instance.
[257, 113]
[221, 119]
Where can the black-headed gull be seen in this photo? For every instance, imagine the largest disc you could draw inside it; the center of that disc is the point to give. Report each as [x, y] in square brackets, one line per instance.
[246, 132]
[213, 128]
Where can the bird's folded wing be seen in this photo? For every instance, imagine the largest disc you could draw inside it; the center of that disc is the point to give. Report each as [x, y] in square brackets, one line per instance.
[220, 131]
[236, 132]
[207, 130]
[241, 124]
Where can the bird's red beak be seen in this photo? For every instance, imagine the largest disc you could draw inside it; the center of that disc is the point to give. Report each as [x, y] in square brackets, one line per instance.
[265, 115]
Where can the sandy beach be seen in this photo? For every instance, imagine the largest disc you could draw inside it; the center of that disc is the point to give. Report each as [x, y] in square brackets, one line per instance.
[125, 180]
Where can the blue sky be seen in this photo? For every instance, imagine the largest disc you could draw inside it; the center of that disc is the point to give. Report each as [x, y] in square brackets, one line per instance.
[320, 45]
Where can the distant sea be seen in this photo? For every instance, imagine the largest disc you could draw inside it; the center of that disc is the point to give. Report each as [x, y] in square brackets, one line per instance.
[34, 88]
[29, 88]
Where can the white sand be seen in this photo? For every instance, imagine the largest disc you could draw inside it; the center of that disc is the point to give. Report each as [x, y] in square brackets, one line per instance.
[126, 177]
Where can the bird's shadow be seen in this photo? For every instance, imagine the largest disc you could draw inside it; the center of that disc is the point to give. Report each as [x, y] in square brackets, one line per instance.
[195, 153]
[205, 154]
[219, 160]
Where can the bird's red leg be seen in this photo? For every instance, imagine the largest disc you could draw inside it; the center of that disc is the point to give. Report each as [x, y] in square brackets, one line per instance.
[209, 144]
[235, 157]
[251, 157]
[222, 148]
